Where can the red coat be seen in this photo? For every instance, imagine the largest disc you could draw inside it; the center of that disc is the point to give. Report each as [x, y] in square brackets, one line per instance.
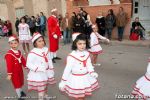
[53, 28]
[14, 68]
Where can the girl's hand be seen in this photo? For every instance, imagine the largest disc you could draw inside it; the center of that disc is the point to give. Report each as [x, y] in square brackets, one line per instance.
[55, 36]
[9, 77]
[108, 41]
[95, 75]
[61, 86]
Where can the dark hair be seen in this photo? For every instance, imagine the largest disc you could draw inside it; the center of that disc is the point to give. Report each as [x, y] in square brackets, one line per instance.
[81, 9]
[42, 13]
[80, 37]
[32, 17]
[85, 12]
[34, 43]
[22, 18]
[79, 15]
[111, 11]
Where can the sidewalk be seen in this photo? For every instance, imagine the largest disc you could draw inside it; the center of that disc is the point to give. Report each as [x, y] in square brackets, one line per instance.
[145, 43]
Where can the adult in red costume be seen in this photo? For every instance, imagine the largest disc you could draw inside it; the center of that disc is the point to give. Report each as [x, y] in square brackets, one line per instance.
[54, 34]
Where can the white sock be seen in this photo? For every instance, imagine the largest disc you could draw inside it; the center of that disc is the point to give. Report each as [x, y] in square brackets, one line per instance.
[18, 91]
[52, 55]
[55, 54]
[41, 95]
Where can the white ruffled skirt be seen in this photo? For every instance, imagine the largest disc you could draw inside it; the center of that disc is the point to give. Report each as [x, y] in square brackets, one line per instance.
[78, 86]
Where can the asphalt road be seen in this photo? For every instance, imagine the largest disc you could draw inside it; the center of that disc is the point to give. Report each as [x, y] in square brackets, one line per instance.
[121, 66]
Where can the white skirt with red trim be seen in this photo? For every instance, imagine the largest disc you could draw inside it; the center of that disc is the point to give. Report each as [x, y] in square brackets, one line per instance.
[39, 81]
[37, 86]
[142, 88]
[25, 38]
[97, 49]
[80, 86]
[40, 86]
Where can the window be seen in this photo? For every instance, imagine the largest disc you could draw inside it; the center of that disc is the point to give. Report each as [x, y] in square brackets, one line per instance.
[20, 12]
[136, 5]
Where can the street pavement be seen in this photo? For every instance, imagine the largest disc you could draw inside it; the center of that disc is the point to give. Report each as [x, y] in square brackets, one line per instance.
[122, 63]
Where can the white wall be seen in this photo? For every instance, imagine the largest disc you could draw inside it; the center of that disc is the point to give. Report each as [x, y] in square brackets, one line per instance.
[3, 12]
[40, 6]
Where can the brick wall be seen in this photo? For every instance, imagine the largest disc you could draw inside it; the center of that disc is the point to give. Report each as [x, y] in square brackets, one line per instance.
[94, 10]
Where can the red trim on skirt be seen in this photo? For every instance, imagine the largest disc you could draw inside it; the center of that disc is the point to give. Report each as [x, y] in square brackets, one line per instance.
[98, 52]
[37, 90]
[80, 74]
[81, 95]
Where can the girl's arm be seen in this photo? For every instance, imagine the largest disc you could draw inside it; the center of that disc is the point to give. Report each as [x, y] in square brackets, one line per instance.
[103, 38]
[51, 67]
[68, 69]
[23, 61]
[90, 67]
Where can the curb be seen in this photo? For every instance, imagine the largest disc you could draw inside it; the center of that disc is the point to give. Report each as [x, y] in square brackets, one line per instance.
[140, 43]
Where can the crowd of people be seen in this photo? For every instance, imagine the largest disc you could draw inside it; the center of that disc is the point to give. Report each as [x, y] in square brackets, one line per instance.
[78, 22]
[81, 22]
[36, 24]
[5, 28]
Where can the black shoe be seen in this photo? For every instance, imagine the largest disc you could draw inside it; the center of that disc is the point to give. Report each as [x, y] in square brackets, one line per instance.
[23, 94]
[57, 58]
[21, 99]
[53, 60]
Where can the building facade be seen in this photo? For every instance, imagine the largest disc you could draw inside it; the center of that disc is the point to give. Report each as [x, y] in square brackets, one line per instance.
[10, 9]
[134, 8]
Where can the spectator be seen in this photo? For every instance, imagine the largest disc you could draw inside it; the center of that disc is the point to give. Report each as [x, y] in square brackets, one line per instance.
[16, 24]
[79, 23]
[27, 19]
[88, 24]
[138, 28]
[9, 26]
[73, 19]
[37, 23]
[80, 11]
[121, 22]
[42, 23]
[66, 26]
[5, 29]
[110, 23]
[1, 31]
[32, 25]
[100, 21]
[60, 22]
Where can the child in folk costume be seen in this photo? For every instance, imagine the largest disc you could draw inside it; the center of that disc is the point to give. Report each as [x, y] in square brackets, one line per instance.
[24, 35]
[96, 48]
[142, 86]
[41, 68]
[79, 79]
[14, 61]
